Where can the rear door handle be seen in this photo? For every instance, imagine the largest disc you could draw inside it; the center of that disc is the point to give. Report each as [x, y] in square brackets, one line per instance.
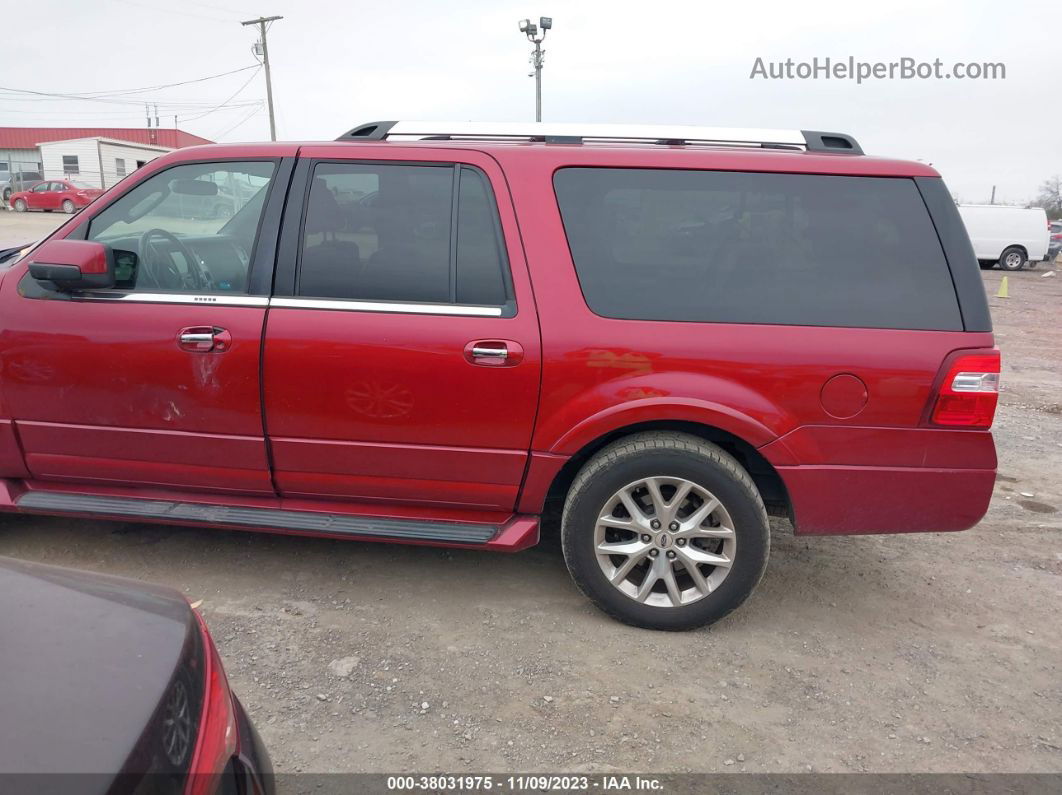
[204, 339]
[494, 353]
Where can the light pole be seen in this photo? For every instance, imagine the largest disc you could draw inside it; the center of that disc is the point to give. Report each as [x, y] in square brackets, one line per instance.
[535, 34]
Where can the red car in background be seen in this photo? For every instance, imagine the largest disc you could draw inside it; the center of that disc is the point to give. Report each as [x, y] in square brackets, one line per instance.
[67, 195]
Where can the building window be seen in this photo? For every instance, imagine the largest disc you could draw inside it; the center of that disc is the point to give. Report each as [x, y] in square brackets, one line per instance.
[70, 165]
[119, 166]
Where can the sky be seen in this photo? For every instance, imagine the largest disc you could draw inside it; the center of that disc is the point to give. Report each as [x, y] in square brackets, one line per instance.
[338, 63]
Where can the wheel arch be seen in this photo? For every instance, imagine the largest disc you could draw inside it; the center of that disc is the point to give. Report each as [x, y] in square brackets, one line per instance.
[769, 483]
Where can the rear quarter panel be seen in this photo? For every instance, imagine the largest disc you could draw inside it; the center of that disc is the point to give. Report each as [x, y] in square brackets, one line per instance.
[758, 382]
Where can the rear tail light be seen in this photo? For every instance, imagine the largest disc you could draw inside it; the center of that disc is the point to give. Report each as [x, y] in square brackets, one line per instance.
[217, 727]
[969, 392]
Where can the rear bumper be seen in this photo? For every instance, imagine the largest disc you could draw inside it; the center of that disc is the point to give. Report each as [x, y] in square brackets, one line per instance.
[844, 479]
[850, 500]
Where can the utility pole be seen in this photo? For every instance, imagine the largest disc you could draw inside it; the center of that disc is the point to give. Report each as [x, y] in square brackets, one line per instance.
[261, 22]
[531, 30]
[993, 199]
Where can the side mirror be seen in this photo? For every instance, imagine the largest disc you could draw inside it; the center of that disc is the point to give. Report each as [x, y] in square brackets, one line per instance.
[73, 265]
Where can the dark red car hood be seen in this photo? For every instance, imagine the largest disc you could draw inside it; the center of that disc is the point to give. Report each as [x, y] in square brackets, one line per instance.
[84, 662]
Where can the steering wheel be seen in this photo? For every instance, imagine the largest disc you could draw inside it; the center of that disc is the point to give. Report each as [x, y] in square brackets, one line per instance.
[161, 272]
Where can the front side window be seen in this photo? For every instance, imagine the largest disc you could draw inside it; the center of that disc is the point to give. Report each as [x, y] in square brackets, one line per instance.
[190, 228]
[41, 188]
[743, 247]
[70, 164]
[403, 233]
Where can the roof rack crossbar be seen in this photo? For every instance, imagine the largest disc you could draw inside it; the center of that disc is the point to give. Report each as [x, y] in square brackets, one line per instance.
[810, 140]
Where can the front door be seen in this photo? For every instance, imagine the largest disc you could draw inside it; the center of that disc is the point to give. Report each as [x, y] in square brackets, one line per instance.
[156, 382]
[41, 197]
[402, 352]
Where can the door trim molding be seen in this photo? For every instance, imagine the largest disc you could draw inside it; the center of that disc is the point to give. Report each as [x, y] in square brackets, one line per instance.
[386, 306]
[262, 301]
[172, 298]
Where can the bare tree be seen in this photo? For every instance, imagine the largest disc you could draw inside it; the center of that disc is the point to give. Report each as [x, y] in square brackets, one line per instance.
[1050, 197]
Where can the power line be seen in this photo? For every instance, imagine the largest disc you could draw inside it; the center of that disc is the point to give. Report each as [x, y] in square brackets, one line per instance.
[240, 123]
[168, 10]
[133, 110]
[227, 101]
[112, 96]
[120, 92]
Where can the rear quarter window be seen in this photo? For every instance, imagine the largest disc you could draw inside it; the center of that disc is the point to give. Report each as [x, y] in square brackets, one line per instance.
[742, 247]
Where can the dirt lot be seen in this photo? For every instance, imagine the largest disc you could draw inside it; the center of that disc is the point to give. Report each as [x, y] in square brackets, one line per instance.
[19, 228]
[894, 653]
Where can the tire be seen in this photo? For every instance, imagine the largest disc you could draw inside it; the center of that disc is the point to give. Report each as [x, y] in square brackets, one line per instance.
[69, 207]
[20, 206]
[986, 264]
[7, 195]
[671, 460]
[1012, 258]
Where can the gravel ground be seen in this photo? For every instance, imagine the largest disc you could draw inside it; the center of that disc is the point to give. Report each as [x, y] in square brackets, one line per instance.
[925, 653]
[19, 228]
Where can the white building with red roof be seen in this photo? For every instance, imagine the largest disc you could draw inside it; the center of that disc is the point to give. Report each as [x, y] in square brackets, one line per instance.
[97, 155]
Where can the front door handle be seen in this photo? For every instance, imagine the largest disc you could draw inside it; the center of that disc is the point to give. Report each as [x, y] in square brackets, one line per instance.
[494, 353]
[204, 339]
[480, 352]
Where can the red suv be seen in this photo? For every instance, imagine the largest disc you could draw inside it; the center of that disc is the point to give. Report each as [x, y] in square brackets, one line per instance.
[432, 333]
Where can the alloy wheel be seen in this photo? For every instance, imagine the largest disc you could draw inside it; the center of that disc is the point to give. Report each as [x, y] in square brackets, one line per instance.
[665, 541]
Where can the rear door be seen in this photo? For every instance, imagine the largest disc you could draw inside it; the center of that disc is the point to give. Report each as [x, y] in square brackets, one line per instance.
[402, 352]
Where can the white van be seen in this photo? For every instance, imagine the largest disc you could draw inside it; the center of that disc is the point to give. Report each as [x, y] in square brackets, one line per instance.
[1007, 236]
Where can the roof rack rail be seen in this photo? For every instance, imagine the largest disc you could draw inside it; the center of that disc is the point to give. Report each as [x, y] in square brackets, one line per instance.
[809, 140]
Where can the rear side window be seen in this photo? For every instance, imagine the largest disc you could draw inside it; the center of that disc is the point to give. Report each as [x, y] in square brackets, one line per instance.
[740, 247]
[404, 233]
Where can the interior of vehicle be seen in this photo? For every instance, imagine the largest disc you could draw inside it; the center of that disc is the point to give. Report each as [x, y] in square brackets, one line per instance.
[378, 232]
[168, 234]
[744, 244]
[388, 232]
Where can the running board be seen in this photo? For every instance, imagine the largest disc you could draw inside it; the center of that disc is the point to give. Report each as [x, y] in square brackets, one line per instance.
[518, 533]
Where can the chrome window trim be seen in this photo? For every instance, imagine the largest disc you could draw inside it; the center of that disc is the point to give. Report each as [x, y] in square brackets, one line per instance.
[199, 299]
[117, 296]
[386, 306]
